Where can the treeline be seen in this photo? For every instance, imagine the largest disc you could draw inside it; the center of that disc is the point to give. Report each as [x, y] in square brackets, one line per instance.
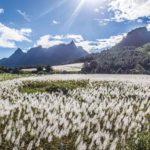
[9, 70]
[40, 69]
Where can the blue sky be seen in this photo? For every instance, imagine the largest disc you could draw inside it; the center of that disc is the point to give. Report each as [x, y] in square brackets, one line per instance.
[92, 24]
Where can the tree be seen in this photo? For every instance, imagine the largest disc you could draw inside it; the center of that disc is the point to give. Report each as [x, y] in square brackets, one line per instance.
[39, 68]
[15, 71]
[85, 68]
[93, 64]
[48, 68]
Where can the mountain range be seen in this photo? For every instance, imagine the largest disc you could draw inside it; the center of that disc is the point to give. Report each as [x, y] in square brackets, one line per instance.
[131, 55]
[55, 55]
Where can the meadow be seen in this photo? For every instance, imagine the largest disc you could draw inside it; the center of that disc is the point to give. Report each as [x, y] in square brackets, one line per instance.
[75, 112]
[6, 76]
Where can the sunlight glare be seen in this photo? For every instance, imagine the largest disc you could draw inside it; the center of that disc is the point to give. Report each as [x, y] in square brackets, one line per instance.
[93, 2]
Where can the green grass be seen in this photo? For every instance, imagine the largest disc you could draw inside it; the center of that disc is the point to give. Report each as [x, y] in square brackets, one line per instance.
[7, 76]
[143, 142]
[52, 86]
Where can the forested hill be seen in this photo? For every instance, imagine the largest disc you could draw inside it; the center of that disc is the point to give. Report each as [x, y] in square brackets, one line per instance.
[131, 55]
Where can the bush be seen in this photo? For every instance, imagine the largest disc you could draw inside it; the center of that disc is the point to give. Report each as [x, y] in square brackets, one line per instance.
[48, 69]
[39, 68]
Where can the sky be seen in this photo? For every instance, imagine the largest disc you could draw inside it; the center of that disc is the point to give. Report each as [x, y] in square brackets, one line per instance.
[92, 24]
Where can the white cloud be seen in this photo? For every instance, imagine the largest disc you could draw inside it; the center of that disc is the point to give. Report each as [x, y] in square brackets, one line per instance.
[148, 27]
[8, 36]
[55, 22]
[129, 9]
[1, 10]
[50, 40]
[101, 44]
[25, 16]
[47, 41]
[75, 37]
[110, 42]
[91, 46]
[26, 31]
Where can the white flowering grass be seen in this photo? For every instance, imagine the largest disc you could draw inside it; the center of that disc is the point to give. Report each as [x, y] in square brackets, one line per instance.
[104, 115]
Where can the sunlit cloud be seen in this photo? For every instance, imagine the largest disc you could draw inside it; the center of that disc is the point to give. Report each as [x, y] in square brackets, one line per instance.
[75, 37]
[111, 41]
[98, 45]
[129, 9]
[47, 41]
[52, 40]
[148, 27]
[9, 36]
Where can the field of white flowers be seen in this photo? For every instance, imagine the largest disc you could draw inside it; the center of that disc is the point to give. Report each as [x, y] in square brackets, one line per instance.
[106, 115]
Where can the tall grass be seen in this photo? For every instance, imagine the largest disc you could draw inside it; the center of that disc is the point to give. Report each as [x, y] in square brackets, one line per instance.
[100, 115]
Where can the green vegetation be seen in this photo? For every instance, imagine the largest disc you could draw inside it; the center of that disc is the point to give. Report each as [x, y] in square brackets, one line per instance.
[44, 69]
[120, 60]
[6, 76]
[145, 49]
[48, 69]
[52, 86]
[143, 142]
[116, 103]
[40, 69]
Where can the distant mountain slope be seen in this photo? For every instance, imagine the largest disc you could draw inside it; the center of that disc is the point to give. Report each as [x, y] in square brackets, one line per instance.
[136, 38]
[125, 57]
[55, 55]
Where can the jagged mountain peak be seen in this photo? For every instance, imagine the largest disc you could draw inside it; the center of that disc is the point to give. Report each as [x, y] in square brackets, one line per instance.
[17, 53]
[72, 44]
[19, 50]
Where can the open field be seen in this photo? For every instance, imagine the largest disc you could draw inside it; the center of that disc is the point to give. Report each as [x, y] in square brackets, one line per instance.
[69, 68]
[96, 112]
[61, 68]
[7, 76]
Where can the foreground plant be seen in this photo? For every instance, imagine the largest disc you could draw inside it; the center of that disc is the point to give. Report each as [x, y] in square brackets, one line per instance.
[101, 115]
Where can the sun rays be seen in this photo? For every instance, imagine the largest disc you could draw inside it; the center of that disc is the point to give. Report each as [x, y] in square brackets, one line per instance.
[75, 14]
[57, 5]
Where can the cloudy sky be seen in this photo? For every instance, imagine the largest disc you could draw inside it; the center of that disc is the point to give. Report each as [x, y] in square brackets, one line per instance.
[92, 24]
